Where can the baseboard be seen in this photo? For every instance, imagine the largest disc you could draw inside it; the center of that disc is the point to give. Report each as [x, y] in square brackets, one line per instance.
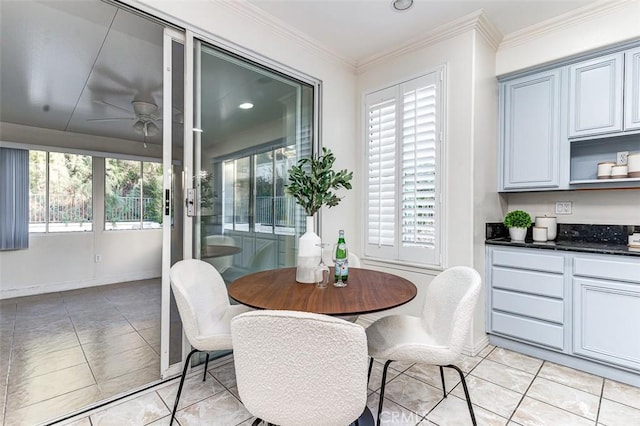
[77, 284]
[477, 347]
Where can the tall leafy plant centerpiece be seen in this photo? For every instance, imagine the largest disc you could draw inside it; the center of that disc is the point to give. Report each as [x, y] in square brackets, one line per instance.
[313, 183]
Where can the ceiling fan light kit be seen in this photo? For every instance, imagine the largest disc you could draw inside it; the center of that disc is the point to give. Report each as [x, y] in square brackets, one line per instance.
[144, 108]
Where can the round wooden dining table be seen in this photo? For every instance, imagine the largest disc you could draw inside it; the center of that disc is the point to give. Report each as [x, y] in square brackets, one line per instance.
[366, 291]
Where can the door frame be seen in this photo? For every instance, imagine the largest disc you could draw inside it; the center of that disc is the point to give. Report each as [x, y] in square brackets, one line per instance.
[170, 35]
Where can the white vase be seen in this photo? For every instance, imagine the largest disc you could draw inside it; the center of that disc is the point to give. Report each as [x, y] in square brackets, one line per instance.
[517, 234]
[309, 252]
[551, 224]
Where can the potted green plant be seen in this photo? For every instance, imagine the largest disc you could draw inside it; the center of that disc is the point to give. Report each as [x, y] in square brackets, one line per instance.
[313, 183]
[517, 221]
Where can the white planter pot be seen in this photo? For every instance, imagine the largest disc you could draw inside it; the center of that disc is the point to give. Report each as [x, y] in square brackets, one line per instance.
[309, 252]
[517, 234]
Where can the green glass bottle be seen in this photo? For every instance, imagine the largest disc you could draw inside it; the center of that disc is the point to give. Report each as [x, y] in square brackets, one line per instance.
[341, 253]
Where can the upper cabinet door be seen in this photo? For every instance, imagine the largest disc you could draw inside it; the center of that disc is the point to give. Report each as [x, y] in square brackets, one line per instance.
[531, 131]
[595, 96]
[632, 90]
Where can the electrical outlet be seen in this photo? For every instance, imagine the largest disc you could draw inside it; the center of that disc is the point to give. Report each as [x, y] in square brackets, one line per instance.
[98, 258]
[621, 158]
[563, 207]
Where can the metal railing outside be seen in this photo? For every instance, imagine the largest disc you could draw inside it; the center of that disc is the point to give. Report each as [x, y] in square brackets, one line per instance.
[63, 209]
[281, 207]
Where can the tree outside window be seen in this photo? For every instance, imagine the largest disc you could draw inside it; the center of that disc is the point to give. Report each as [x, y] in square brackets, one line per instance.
[133, 194]
[60, 192]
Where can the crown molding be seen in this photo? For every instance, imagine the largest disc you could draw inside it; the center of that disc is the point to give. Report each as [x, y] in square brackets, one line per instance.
[474, 21]
[573, 17]
[281, 28]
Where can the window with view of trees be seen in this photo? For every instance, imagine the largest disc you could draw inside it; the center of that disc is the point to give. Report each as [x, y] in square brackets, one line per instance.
[253, 192]
[133, 194]
[60, 192]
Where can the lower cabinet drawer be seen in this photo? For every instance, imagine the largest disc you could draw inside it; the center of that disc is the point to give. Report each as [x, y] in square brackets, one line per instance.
[528, 329]
[529, 305]
[535, 260]
[610, 268]
[534, 282]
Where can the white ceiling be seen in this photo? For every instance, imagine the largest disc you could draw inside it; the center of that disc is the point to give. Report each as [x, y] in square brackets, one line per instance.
[359, 29]
[64, 64]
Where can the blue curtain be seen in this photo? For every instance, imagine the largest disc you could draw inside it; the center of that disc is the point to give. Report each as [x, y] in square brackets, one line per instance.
[14, 199]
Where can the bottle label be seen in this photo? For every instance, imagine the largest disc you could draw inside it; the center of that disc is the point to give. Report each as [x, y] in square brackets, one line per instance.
[342, 271]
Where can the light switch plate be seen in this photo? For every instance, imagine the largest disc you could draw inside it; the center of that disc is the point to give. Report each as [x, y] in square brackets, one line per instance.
[621, 158]
[563, 207]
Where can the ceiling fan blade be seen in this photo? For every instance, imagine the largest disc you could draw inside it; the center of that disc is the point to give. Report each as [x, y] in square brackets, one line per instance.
[113, 106]
[100, 91]
[111, 119]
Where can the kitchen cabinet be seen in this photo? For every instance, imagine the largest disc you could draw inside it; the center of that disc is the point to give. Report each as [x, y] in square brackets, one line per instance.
[595, 95]
[530, 140]
[527, 296]
[606, 305]
[632, 89]
[578, 309]
[557, 124]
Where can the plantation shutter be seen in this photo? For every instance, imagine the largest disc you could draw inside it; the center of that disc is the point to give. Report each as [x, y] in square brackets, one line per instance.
[402, 151]
[381, 182]
[419, 145]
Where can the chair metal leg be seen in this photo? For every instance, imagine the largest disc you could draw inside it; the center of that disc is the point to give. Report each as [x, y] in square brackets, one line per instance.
[444, 389]
[384, 379]
[370, 367]
[206, 364]
[466, 393]
[184, 373]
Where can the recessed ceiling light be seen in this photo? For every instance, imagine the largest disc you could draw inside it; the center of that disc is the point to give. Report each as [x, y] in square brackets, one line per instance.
[401, 5]
[246, 105]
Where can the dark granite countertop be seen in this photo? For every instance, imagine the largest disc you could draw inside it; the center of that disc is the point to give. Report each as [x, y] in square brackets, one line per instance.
[602, 239]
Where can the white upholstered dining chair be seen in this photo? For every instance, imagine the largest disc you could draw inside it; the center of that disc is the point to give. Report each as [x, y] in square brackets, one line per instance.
[298, 368]
[434, 338]
[205, 311]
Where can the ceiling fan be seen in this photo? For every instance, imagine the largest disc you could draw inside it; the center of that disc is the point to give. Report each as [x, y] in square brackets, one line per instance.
[145, 115]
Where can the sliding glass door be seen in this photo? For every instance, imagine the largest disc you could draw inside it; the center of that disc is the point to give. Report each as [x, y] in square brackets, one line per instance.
[252, 124]
[244, 126]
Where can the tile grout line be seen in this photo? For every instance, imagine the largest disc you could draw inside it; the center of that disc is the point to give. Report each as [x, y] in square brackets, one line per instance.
[524, 394]
[600, 401]
[84, 354]
[6, 384]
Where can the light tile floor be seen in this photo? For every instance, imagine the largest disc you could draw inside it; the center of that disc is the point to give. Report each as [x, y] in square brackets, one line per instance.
[66, 350]
[506, 388]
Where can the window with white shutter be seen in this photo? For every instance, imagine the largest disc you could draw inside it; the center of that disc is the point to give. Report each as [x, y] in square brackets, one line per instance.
[403, 145]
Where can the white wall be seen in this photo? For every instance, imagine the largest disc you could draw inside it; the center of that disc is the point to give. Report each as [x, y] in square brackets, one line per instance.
[609, 23]
[484, 145]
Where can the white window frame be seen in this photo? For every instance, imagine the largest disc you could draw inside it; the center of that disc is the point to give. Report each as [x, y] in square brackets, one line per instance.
[141, 223]
[391, 248]
[48, 224]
